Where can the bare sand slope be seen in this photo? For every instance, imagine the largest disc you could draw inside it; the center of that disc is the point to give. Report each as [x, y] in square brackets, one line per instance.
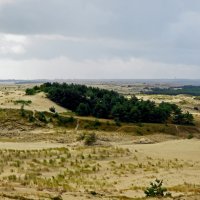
[180, 149]
[10, 94]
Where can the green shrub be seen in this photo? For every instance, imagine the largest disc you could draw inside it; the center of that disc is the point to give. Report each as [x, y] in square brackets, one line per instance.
[88, 138]
[156, 190]
[93, 193]
[83, 109]
[97, 123]
[65, 120]
[81, 137]
[139, 132]
[31, 117]
[190, 136]
[30, 91]
[117, 122]
[57, 198]
[42, 117]
[56, 115]
[52, 109]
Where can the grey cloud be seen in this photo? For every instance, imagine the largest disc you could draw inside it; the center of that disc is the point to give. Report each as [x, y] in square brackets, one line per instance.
[158, 31]
[130, 18]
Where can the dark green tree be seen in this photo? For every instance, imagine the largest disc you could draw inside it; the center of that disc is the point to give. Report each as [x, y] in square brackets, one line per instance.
[83, 109]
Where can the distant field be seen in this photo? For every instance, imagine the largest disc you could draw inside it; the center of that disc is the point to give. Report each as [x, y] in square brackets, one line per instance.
[187, 90]
[186, 102]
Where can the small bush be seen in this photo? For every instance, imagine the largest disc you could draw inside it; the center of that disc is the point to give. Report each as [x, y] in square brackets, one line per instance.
[88, 138]
[36, 88]
[156, 190]
[97, 123]
[65, 120]
[57, 198]
[31, 117]
[42, 117]
[190, 136]
[81, 137]
[93, 193]
[117, 122]
[56, 115]
[139, 132]
[30, 91]
[196, 108]
[52, 109]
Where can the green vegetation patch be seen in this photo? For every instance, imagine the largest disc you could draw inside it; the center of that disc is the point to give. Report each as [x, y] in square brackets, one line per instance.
[187, 89]
[157, 190]
[101, 103]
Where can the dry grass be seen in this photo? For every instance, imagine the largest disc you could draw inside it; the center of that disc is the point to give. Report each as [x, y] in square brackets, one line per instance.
[114, 168]
[109, 171]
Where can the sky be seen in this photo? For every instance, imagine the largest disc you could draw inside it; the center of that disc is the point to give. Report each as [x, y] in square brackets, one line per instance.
[99, 39]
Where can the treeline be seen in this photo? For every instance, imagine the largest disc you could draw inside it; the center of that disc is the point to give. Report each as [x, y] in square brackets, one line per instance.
[187, 89]
[101, 103]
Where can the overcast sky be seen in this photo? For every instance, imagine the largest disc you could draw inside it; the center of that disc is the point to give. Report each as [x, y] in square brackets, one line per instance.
[99, 39]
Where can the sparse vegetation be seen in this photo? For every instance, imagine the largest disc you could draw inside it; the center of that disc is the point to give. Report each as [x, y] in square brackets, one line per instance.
[23, 102]
[41, 159]
[97, 169]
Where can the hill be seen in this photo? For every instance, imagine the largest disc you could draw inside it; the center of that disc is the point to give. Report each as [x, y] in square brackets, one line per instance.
[101, 103]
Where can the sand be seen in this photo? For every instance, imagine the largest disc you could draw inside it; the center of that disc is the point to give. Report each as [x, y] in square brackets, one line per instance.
[184, 149]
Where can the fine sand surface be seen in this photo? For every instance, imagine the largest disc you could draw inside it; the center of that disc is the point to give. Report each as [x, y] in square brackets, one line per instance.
[11, 93]
[181, 149]
[186, 102]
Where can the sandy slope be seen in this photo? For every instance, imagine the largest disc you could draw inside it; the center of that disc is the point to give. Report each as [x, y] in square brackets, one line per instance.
[181, 153]
[188, 150]
[11, 93]
[181, 149]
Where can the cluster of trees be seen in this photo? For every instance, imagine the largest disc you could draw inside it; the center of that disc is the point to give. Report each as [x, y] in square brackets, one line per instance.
[187, 89]
[101, 103]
